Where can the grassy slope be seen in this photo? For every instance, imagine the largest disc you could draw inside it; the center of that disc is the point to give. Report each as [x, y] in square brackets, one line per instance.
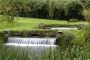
[32, 23]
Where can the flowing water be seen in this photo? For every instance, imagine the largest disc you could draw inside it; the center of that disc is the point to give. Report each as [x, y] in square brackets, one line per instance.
[31, 44]
[63, 28]
[17, 41]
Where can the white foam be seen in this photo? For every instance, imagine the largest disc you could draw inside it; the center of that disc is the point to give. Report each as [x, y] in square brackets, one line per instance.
[20, 40]
[63, 28]
[31, 45]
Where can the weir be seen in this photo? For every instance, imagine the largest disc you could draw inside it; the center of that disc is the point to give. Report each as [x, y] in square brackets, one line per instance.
[64, 28]
[18, 41]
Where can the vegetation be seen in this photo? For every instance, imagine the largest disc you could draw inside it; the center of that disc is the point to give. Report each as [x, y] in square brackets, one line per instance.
[7, 11]
[32, 33]
[65, 40]
[74, 10]
[87, 33]
[51, 9]
[32, 23]
[76, 52]
[72, 45]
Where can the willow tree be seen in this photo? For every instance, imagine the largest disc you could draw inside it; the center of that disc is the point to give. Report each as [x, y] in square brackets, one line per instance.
[51, 8]
[7, 10]
[86, 10]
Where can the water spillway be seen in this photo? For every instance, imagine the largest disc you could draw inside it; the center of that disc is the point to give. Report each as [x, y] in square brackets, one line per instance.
[18, 41]
[64, 28]
[31, 45]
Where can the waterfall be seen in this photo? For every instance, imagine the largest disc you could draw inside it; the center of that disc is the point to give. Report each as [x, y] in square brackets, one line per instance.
[64, 28]
[18, 41]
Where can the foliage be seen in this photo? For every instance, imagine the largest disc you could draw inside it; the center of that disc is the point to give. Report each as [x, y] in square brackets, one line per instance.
[7, 11]
[2, 38]
[76, 52]
[86, 3]
[33, 23]
[87, 33]
[74, 10]
[86, 13]
[65, 40]
[52, 9]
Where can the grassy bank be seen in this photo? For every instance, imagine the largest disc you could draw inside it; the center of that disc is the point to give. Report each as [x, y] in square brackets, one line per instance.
[77, 52]
[74, 53]
[32, 23]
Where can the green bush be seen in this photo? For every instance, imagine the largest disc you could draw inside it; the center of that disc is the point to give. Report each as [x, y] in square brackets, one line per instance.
[2, 38]
[87, 33]
[7, 10]
[74, 10]
[86, 3]
[51, 9]
[87, 14]
[65, 40]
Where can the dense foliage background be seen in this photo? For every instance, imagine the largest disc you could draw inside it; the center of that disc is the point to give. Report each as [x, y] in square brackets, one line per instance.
[51, 9]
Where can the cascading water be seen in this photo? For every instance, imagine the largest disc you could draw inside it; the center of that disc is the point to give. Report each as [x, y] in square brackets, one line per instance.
[31, 44]
[17, 41]
[64, 28]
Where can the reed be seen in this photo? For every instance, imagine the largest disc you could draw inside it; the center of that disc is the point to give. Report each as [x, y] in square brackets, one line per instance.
[75, 53]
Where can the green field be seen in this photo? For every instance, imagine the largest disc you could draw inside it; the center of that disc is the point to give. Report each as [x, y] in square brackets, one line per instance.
[32, 23]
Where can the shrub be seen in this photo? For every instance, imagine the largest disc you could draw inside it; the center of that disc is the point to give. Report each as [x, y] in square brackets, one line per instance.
[87, 33]
[51, 9]
[65, 40]
[74, 10]
[87, 14]
[59, 13]
[2, 38]
[7, 11]
[38, 9]
[86, 3]
[42, 25]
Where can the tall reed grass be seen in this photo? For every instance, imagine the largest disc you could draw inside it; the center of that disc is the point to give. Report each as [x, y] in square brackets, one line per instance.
[75, 53]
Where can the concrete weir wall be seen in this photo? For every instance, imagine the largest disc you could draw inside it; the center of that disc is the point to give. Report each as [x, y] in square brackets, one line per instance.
[51, 33]
[30, 34]
[60, 36]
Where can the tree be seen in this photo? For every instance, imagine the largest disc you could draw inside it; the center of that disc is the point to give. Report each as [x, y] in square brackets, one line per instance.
[7, 10]
[74, 10]
[51, 8]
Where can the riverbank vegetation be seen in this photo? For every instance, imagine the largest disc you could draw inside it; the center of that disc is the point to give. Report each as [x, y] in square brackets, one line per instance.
[46, 9]
[32, 23]
[22, 16]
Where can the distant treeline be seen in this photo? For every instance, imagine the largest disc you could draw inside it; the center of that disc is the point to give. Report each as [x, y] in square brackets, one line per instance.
[48, 9]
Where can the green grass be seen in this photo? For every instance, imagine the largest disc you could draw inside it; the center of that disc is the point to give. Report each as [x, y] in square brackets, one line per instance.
[32, 23]
[77, 52]
[74, 53]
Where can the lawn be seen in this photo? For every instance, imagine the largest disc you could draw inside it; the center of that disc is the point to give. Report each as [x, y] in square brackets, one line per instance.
[32, 23]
